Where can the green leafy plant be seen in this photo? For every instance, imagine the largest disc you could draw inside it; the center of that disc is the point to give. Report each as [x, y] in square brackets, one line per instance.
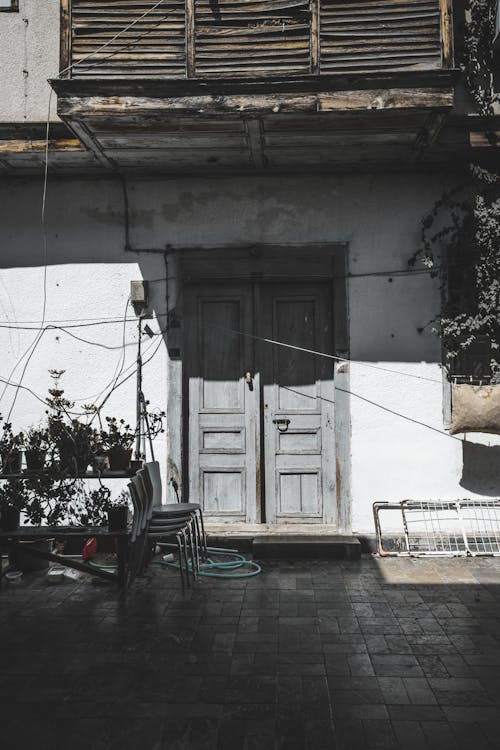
[14, 494]
[478, 61]
[10, 443]
[462, 234]
[74, 440]
[54, 492]
[118, 434]
[36, 438]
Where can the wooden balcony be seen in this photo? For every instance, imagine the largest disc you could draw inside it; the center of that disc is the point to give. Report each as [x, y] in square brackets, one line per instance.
[237, 85]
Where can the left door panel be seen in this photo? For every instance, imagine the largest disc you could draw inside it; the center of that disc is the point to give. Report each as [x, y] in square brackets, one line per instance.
[223, 407]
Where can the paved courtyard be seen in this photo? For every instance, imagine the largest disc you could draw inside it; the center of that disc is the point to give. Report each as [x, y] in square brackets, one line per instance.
[309, 655]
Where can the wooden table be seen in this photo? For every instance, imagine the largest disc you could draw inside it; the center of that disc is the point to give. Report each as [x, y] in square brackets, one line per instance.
[34, 533]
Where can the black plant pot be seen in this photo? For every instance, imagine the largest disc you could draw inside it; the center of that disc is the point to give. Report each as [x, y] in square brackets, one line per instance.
[119, 458]
[117, 518]
[74, 464]
[35, 459]
[9, 518]
[11, 462]
[21, 560]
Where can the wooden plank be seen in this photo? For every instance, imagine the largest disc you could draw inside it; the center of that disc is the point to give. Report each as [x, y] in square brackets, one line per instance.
[209, 105]
[90, 143]
[81, 107]
[154, 45]
[347, 101]
[480, 139]
[226, 37]
[10, 146]
[65, 37]
[152, 142]
[301, 140]
[446, 33]
[315, 36]
[190, 39]
[371, 36]
[255, 142]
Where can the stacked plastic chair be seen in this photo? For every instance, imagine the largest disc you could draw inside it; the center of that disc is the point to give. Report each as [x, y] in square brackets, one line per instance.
[142, 503]
[182, 521]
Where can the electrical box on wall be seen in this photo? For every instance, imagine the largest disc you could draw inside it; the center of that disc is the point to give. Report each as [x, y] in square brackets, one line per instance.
[139, 296]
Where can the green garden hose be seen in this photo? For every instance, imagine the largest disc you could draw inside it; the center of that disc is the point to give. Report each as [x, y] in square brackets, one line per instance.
[209, 564]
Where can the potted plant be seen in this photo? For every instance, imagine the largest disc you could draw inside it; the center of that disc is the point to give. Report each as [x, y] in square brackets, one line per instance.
[73, 439]
[9, 449]
[36, 445]
[13, 497]
[118, 440]
[118, 511]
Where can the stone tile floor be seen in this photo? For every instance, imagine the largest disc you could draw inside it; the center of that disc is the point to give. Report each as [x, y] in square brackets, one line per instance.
[309, 655]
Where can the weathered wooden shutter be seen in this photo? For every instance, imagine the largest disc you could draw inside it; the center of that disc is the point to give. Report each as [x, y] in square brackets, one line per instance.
[238, 37]
[374, 35]
[154, 46]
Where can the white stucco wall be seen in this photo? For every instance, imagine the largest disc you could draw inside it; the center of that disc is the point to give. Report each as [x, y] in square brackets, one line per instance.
[29, 55]
[398, 446]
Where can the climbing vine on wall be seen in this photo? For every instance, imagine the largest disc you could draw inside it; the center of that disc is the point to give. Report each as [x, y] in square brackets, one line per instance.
[478, 53]
[460, 236]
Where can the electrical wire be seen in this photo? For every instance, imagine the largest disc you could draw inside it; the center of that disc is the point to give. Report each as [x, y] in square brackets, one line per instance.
[373, 403]
[333, 357]
[110, 321]
[22, 387]
[124, 380]
[123, 46]
[30, 354]
[94, 343]
[40, 330]
[121, 359]
[400, 272]
[95, 397]
[398, 414]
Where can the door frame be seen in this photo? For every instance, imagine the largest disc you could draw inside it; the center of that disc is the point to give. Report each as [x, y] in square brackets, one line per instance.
[325, 262]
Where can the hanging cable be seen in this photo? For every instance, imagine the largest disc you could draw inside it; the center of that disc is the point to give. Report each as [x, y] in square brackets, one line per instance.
[23, 387]
[121, 359]
[99, 322]
[125, 46]
[31, 348]
[333, 357]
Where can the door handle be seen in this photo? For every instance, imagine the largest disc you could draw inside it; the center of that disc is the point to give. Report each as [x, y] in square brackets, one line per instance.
[249, 380]
[282, 424]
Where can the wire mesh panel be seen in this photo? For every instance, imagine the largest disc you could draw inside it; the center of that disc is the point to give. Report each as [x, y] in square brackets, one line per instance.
[433, 528]
[481, 520]
[447, 528]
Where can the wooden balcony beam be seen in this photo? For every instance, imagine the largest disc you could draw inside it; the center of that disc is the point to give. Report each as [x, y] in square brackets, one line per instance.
[80, 107]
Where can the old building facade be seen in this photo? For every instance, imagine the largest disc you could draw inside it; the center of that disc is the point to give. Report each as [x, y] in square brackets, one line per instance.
[265, 167]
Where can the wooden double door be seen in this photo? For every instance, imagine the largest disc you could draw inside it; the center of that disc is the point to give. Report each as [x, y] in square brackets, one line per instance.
[260, 434]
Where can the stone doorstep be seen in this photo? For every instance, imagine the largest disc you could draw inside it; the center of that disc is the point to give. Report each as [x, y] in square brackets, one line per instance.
[269, 541]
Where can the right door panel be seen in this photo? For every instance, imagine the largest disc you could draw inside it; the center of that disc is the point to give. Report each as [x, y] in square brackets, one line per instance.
[298, 403]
